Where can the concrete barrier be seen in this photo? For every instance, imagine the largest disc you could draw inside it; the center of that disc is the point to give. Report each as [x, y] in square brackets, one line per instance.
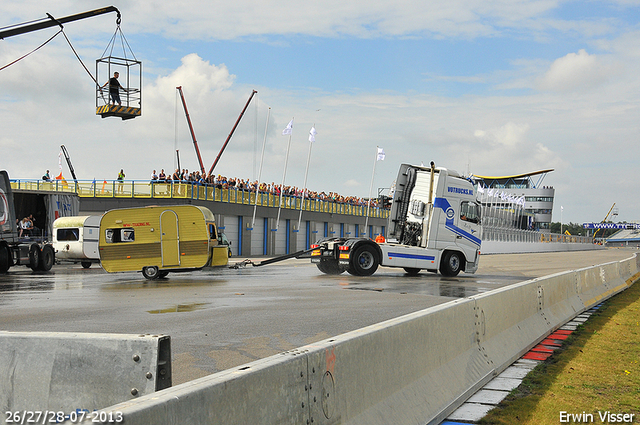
[510, 322]
[559, 298]
[42, 371]
[414, 369]
[508, 247]
[372, 376]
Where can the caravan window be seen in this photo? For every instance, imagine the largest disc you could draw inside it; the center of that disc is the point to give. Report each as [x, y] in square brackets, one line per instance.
[470, 211]
[119, 235]
[68, 234]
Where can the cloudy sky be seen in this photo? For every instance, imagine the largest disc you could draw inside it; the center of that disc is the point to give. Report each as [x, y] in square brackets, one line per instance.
[490, 87]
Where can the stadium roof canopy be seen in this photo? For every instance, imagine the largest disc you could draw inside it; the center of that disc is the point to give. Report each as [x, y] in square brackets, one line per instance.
[516, 181]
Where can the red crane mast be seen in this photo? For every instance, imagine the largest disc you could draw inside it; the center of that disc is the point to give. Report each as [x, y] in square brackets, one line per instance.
[232, 130]
[193, 134]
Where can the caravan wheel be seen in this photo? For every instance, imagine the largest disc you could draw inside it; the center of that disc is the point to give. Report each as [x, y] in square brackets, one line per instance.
[150, 272]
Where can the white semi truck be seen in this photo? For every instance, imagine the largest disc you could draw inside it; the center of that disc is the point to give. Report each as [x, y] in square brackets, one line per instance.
[434, 225]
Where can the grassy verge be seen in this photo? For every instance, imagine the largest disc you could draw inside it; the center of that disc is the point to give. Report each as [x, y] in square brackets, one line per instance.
[596, 371]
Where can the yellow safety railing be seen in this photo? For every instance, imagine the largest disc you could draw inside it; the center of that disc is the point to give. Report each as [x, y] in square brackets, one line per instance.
[173, 190]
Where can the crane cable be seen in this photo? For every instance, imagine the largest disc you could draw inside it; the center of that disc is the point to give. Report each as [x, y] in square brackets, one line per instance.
[73, 49]
[82, 63]
[123, 41]
[80, 60]
[42, 45]
[19, 59]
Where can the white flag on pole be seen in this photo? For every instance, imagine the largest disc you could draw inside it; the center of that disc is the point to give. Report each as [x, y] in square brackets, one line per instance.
[289, 128]
[381, 154]
[312, 134]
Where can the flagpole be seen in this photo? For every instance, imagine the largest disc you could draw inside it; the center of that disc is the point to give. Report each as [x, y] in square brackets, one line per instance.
[366, 222]
[306, 172]
[286, 159]
[264, 142]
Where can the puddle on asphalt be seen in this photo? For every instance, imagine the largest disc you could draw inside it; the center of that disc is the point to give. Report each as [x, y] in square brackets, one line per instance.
[442, 290]
[180, 308]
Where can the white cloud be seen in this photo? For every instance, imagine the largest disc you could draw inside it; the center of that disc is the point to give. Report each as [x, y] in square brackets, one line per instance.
[198, 20]
[575, 72]
[203, 77]
[508, 136]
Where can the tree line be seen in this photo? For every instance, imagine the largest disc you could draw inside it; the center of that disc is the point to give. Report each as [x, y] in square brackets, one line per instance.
[576, 229]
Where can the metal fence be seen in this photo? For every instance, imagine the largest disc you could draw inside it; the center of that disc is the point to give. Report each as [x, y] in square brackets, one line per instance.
[153, 190]
[502, 234]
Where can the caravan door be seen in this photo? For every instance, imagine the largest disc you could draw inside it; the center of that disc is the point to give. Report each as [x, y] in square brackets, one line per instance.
[169, 239]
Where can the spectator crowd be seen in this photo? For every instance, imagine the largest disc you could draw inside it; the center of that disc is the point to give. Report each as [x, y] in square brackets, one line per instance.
[222, 182]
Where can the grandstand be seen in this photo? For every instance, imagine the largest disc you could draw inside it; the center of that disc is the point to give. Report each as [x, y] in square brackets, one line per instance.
[498, 193]
[624, 238]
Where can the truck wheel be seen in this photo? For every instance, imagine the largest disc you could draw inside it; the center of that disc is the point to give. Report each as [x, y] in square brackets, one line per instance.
[151, 272]
[4, 258]
[34, 256]
[330, 267]
[47, 258]
[364, 261]
[86, 264]
[411, 271]
[451, 263]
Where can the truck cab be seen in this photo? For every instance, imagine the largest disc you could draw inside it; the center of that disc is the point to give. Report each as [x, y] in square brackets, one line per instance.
[434, 225]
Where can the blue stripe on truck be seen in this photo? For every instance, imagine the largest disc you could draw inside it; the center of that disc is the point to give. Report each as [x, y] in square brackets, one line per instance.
[413, 256]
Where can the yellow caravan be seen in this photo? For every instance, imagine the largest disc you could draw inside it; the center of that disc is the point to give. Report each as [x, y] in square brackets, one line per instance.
[157, 240]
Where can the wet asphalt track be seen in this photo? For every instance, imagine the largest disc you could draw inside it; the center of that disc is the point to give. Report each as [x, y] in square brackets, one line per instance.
[221, 318]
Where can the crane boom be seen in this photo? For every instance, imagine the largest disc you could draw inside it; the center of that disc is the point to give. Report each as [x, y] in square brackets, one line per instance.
[232, 130]
[605, 219]
[66, 156]
[52, 22]
[193, 134]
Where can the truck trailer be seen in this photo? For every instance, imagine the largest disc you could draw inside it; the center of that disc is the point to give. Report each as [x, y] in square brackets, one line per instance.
[14, 250]
[157, 240]
[434, 225]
